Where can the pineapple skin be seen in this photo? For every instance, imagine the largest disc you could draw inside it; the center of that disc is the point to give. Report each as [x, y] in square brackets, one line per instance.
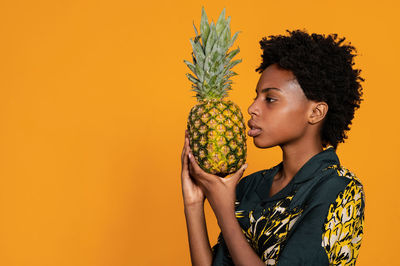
[217, 136]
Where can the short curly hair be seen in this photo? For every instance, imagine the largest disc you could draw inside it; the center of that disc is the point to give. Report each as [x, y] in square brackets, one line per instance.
[323, 66]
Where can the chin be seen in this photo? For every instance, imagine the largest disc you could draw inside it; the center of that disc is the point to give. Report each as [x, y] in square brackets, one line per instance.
[261, 143]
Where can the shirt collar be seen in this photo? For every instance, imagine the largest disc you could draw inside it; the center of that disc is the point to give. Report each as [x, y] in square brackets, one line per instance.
[308, 171]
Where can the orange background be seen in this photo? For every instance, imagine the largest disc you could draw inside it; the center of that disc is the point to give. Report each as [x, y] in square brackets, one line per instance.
[93, 108]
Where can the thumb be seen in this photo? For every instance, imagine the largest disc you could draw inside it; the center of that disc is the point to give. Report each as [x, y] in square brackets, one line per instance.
[239, 173]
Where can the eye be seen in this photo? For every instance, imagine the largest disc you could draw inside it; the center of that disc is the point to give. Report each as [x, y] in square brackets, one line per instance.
[267, 99]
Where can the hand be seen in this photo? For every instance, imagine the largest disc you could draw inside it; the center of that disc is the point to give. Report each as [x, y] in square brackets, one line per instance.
[192, 193]
[220, 192]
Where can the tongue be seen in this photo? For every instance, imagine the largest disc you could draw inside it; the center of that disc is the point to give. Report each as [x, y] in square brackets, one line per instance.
[254, 132]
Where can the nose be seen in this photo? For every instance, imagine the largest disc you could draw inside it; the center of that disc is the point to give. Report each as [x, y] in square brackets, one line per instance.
[251, 109]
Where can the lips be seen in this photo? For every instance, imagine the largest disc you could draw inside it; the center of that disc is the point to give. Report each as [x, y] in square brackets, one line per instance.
[254, 129]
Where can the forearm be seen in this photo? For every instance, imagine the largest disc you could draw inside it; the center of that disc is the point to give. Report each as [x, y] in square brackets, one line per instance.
[240, 250]
[200, 249]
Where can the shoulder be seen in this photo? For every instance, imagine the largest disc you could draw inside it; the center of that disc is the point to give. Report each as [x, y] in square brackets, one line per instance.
[345, 192]
[330, 227]
[339, 184]
[343, 173]
[354, 187]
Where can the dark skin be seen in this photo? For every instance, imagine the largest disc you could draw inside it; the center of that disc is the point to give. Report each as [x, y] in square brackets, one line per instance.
[286, 118]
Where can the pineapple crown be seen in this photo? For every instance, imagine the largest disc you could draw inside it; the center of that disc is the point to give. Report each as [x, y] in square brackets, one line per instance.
[211, 63]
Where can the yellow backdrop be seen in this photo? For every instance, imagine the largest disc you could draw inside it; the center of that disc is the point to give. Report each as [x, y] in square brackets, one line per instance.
[93, 108]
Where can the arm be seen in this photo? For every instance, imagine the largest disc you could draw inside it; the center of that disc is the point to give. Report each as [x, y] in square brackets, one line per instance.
[221, 194]
[200, 249]
[343, 226]
[241, 251]
[193, 199]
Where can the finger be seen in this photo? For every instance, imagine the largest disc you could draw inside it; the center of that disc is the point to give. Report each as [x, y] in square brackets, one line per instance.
[183, 151]
[184, 145]
[186, 148]
[238, 174]
[185, 162]
[192, 162]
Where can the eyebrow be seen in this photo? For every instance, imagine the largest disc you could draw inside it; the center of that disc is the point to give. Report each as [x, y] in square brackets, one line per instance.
[267, 89]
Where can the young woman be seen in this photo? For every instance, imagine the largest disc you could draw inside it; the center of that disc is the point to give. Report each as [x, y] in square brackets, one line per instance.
[308, 209]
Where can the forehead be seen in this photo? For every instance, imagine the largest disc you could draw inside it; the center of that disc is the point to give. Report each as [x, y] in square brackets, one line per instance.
[274, 78]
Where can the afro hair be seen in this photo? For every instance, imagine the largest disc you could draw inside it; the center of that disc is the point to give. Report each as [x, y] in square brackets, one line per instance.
[323, 67]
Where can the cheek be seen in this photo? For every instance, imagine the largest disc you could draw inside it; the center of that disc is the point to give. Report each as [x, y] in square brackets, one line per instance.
[284, 123]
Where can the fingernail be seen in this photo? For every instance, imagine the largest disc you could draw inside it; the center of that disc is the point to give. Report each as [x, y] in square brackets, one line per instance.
[245, 166]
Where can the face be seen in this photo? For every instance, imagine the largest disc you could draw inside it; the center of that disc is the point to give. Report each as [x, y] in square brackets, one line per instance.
[280, 112]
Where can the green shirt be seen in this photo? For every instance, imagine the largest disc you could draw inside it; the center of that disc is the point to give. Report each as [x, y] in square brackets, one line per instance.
[317, 219]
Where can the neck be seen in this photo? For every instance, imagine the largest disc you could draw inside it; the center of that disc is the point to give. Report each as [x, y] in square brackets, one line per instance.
[295, 155]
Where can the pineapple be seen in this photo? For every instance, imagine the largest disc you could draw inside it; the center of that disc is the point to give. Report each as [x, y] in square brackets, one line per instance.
[215, 125]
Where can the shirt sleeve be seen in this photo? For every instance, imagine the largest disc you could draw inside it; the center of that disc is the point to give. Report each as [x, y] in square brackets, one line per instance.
[331, 229]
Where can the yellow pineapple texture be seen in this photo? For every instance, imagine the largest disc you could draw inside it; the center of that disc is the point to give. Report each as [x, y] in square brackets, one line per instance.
[216, 127]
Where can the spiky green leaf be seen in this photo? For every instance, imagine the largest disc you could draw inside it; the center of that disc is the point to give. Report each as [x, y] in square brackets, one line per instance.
[192, 79]
[212, 63]
[231, 54]
[198, 53]
[234, 63]
[233, 39]
[211, 39]
[190, 66]
[199, 73]
[221, 22]
[204, 27]
[195, 29]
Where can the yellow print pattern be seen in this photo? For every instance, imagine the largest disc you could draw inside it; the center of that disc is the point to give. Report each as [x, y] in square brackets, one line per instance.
[343, 226]
[267, 234]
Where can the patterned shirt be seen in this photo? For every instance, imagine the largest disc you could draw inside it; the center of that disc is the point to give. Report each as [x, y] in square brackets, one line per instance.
[317, 219]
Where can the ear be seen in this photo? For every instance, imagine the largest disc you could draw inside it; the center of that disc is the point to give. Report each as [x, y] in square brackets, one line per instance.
[318, 112]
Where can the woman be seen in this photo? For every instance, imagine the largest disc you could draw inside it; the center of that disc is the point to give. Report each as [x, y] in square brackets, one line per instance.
[308, 209]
